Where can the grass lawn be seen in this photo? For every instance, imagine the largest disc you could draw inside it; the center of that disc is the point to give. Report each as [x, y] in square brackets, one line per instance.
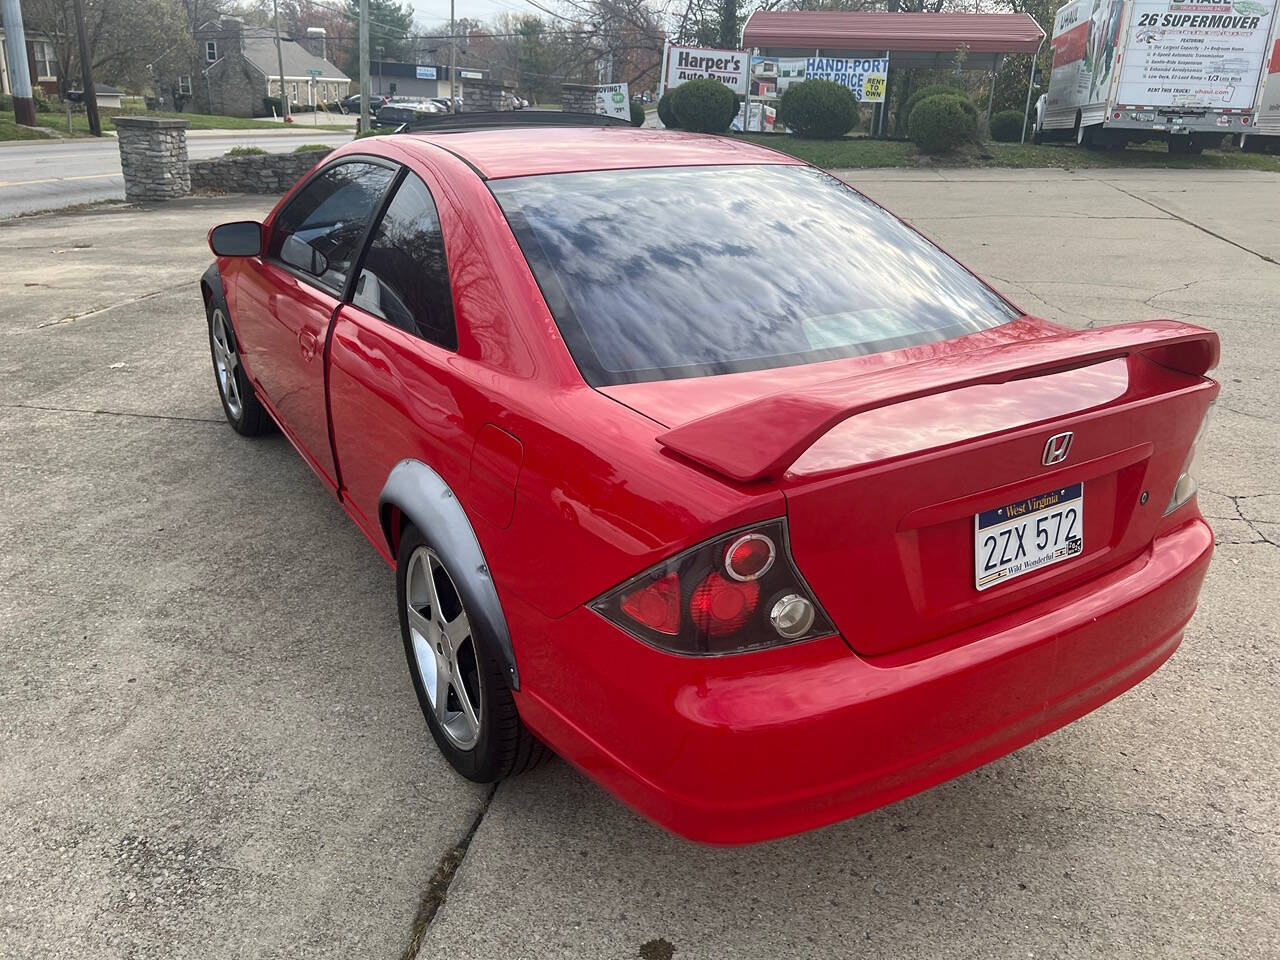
[859, 152]
[198, 121]
[12, 130]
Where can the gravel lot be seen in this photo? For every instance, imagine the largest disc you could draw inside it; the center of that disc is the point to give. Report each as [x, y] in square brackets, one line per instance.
[209, 745]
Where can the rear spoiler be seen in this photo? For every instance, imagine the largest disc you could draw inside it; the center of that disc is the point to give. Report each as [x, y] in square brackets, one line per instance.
[760, 439]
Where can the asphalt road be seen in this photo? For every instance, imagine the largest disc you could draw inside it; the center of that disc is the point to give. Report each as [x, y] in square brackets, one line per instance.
[209, 745]
[51, 174]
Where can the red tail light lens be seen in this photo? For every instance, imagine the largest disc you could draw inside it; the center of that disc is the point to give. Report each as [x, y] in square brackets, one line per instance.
[655, 605]
[738, 592]
[721, 606]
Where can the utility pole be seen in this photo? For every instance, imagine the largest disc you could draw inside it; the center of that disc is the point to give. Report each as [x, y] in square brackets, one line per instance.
[364, 65]
[15, 43]
[86, 73]
[284, 93]
[453, 61]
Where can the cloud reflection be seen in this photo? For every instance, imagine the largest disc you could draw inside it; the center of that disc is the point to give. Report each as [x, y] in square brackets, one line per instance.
[671, 272]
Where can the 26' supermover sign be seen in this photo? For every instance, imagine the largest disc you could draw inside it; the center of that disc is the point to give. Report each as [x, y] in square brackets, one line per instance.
[1205, 54]
[691, 63]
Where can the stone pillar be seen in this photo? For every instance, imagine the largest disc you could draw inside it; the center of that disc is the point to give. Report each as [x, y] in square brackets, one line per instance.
[577, 98]
[153, 156]
[483, 97]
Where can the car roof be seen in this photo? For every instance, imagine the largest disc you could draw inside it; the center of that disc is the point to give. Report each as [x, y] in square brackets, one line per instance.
[523, 151]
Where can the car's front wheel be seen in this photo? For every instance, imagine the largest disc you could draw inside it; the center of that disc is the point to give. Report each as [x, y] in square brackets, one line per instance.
[240, 404]
[458, 678]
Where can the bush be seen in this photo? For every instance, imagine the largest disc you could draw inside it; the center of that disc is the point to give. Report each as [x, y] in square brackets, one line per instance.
[939, 124]
[932, 90]
[245, 151]
[637, 114]
[309, 147]
[1006, 126]
[666, 112]
[704, 105]
[820, 109]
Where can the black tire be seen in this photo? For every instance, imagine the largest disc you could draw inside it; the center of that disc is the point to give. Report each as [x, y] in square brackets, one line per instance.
[1089, 137]
[504, 746]
[240, 404]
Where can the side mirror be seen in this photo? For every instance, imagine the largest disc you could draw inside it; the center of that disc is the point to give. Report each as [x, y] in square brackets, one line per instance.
[296, 252]
[241, 239]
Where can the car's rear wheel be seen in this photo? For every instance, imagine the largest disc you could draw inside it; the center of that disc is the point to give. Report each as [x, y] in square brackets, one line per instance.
[459, 680]
[240, 404]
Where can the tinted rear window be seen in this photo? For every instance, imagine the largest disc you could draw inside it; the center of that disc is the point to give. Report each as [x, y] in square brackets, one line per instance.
[678, 272]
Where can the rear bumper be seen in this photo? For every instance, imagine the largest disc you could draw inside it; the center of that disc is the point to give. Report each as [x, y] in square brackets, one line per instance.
[747, 748]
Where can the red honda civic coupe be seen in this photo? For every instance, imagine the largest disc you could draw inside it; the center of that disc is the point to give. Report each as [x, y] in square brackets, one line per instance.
[699, 468]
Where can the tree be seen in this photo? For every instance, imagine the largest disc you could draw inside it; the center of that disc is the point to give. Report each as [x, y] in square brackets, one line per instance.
[390, 32]
[124, 37]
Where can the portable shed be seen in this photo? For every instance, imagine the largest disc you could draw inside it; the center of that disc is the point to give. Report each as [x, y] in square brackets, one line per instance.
[911, 40]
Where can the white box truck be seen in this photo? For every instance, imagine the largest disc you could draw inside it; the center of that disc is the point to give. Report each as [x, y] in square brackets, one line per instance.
[1127, 71]
[1264, 135]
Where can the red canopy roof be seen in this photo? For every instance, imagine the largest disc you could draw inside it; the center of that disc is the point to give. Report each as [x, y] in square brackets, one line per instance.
[906, 32]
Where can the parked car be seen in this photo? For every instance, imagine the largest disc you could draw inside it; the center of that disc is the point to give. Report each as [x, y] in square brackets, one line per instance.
[400, 110]
[352, 104]
[699, 468]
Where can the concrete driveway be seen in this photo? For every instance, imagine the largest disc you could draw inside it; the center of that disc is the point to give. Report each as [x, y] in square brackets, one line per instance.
[209, 745]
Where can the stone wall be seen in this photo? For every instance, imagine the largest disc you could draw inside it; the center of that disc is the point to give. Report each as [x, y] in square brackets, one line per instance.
[272, 173]
[153, 157]
[578, 98]
[479, 96]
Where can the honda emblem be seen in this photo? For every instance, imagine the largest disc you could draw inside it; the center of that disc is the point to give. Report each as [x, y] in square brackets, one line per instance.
[1056, 448]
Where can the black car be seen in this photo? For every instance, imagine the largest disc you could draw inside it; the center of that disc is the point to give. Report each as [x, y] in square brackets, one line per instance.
[376, 102]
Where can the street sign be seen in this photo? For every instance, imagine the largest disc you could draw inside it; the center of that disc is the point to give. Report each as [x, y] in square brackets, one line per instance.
[315, 72]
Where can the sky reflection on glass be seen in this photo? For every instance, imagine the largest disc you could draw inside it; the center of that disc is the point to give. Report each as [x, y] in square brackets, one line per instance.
[672, 272]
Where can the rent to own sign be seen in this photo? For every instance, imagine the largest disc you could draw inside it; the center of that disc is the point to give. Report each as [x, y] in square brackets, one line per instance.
[690, 63]
[866, 77]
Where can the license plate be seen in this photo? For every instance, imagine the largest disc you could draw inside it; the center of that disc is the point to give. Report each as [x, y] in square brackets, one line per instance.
[1025, 536]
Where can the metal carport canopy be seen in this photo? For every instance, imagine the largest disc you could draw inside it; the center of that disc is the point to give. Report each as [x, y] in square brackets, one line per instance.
[911, 39]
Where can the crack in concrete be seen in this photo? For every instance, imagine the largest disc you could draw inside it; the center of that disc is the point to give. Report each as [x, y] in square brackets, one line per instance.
[437, 891]
[71, 318]
[1161, 293]
[1245, 413]
[1248, 522]
[1189, 223]
[109, 413]
[1093, 321]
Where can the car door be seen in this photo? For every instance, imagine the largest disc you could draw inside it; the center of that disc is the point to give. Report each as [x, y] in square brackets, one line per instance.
[393, 394]
[291, 294]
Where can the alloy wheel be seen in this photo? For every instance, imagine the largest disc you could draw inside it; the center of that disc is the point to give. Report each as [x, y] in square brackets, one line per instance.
[226, 362]
[444, 651]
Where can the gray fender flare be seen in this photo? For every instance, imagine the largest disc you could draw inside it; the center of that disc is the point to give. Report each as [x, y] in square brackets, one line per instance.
[425, 499]
[211, 280]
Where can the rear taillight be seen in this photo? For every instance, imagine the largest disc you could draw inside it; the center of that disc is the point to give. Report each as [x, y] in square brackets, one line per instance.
[1188, 479]
[740, 591]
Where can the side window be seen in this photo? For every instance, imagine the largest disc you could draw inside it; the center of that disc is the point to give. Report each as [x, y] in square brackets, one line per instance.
[404, 278]
[319, 232]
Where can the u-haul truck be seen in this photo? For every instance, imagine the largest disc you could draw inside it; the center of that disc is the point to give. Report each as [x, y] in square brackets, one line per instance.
[1264, 134]
[1185, 71]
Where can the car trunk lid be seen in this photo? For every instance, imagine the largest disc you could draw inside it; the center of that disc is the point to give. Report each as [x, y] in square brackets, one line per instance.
[885, 472]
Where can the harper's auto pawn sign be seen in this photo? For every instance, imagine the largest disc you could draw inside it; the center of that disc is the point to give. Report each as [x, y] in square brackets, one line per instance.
[691, 63]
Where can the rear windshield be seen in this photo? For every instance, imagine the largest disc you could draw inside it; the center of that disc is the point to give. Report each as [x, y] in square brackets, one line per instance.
[661, 273]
